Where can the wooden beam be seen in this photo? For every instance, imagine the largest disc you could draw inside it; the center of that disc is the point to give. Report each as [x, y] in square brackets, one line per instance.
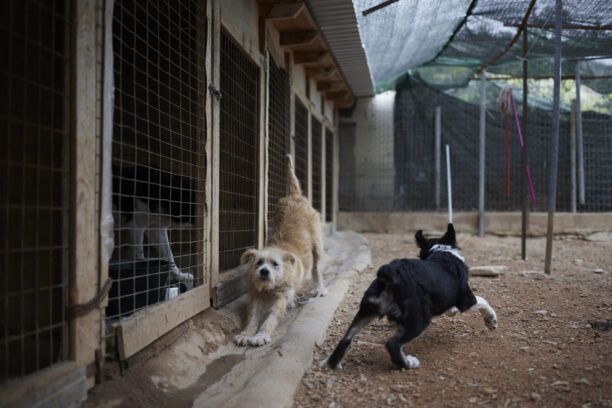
[149, 324]
[285, 11]
[330, 85]
[334, 95]
[344, 103]
[321, 73]
[302, 57]
[292, 38]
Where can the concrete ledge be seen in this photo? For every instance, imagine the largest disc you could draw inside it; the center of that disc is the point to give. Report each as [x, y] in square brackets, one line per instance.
[499, 223]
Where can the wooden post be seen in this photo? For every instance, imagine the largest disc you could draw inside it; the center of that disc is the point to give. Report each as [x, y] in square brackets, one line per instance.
[554, 142]
[323, 168]
[579, 137]
[573, 156]
[336, 174]
[84, 280]
[481, 155]
[309, 147]
[208, 221]
[215, 80]
[263, 151]
[438, 146]
[524, 155]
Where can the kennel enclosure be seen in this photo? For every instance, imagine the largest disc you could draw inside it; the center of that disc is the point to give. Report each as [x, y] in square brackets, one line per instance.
[35, 179]
[144, 153]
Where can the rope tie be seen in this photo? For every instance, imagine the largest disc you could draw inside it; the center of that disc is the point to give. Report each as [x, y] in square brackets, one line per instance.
[82, 309]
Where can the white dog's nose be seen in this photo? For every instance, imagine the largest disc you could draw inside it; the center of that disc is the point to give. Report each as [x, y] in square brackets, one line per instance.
[264, 273]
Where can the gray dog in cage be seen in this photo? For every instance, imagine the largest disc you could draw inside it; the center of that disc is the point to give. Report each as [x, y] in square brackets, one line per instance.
[277, 271]
[148, 202]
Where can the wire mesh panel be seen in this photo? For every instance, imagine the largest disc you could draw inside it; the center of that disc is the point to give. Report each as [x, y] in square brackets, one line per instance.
[329, 175]
[34, 180]
[597, 130]
[158, 152]
[316, 163]
[407, 157]
[301, 145]
[239, 154]
[278, 130]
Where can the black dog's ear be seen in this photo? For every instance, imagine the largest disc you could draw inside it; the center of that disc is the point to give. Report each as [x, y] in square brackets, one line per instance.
[450, 238]
[420, 239]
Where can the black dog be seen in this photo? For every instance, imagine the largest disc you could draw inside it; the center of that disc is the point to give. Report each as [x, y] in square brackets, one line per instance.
[410, 292]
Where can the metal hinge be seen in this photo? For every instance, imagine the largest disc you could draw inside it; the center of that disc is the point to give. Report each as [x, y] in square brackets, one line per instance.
[214, 91]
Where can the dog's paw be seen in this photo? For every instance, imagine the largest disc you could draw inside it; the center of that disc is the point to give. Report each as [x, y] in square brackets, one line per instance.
[258, 340]
[325, 364]
[452, 311]
[177, 276]
[241, 340]
[491, 321]
[319, 292]
[411, 362]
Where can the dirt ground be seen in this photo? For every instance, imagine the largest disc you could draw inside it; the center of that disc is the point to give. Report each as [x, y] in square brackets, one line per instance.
[544, 352]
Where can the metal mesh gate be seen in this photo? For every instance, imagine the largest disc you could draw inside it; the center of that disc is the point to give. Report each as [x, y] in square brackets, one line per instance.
[329, 175]
[278, 129]
[158, 151]
[34, 180]
[316, 163]
[301, 145]
[239, 154]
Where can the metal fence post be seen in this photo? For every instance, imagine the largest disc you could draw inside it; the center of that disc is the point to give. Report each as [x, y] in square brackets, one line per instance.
[481, 155]
[573, 156]
[579, 139]
[524, 156]
[554, 142]
[438, 146]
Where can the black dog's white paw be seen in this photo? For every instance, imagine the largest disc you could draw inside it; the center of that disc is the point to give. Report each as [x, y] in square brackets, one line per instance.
[325, 364]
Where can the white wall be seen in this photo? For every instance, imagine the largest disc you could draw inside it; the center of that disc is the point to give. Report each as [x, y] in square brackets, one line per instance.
[373, 145]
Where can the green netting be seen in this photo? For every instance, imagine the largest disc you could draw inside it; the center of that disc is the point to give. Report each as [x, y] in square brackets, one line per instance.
[406, 34]
[443, 43]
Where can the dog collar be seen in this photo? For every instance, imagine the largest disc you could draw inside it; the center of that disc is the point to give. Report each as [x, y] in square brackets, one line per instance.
[447, 248]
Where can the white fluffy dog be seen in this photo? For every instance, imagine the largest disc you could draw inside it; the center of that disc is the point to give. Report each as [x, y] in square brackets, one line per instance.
[277, 271]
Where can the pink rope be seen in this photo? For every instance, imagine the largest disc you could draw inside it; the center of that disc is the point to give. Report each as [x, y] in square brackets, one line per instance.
[530, 183]
[516, 123]
[520, 136]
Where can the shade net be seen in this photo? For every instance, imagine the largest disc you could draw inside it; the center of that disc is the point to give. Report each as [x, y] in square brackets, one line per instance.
[444, 43]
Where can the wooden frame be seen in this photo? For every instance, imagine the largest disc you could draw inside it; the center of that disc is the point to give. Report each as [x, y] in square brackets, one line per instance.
[85, 331]
[145, 326]
[227, 285]
[149, 324]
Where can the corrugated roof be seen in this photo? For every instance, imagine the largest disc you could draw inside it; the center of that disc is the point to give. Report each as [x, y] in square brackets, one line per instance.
[338, 23]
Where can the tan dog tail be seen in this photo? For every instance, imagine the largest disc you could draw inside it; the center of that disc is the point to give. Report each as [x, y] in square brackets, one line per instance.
[292, 181]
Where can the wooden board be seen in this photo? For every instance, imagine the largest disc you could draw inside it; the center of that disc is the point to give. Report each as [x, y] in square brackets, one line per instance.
[229, 290]
[149, 324]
